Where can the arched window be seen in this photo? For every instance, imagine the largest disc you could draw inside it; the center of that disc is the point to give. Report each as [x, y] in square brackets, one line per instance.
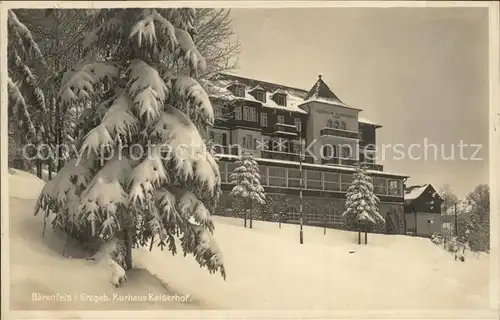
[329, 123]
[328, 151]
[342, 125]
[346, 152]
[336, 124]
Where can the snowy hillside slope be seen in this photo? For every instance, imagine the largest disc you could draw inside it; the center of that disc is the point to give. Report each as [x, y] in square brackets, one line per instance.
[37, 266]
[267, 269]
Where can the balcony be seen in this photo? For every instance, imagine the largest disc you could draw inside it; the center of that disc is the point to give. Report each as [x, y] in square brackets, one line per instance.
[367, 146]
[230, 150]
[338, 133]
[286, 130]
[352, 163]
[275, 175]
[374, 166]
[339, 161]
[277, 155]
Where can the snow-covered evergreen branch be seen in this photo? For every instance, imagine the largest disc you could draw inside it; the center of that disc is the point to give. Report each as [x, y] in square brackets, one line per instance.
[169, 187]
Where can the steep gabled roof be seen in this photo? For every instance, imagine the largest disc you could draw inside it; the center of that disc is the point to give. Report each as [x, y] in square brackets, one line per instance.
[414, 192]
[257, 87]
[321, 90]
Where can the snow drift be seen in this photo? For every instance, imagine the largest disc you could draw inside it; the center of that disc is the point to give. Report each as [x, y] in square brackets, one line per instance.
[267, 269]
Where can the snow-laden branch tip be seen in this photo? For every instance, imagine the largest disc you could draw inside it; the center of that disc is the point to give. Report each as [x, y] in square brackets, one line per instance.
[85, 82]
[147, 90]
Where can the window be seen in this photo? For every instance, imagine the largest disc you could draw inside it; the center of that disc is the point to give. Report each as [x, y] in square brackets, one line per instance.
[331, 181]
[277, 176]
[249, 114]
[336, 124]
[293, 178]
[329, 123]
[263, 119]
[346, 180]
[230, 167]
[297, 147]
[248, 142]
[395, 187]
[218, 111]
[360, 135]
[218, 138]
[280, 145]
[264, 143]
[222, 171]
[237, 113]
[245, 113]
[253, 115]
[328, 151]
[281, 119]
[281, 99]
[263, 175]
[379, 186]
[260, 95]
[298, 124]
[346, 152]
[313, 180]
[239, 91]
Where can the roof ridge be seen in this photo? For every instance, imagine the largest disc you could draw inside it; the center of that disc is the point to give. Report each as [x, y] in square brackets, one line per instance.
[264, 82]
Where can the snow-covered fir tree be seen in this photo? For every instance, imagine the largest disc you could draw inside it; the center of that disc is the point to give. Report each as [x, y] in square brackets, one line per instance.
[143, 174]
[361, 206]
[247, 188]
[27, 111]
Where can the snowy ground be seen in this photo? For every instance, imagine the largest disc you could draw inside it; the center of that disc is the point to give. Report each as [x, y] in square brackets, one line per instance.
[267, 269]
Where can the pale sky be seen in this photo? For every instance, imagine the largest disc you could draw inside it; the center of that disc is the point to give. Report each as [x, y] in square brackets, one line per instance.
[422, 73]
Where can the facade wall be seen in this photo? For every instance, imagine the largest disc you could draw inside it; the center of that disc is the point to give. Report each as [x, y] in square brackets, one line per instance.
[318, 211]
[427, 223]
[319, 115]
[280, 176]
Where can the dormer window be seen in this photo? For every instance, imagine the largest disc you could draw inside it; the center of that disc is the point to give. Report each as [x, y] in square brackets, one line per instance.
[279, 96]
[260, 95]
[239, 91]
[280, 99]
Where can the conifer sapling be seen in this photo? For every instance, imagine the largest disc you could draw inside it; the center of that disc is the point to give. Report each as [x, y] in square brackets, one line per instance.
[361, 206]
[247, 188]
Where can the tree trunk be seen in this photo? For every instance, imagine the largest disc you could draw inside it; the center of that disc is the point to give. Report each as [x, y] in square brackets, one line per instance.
[61, 140]
[128, 246]
[39, 168]
[250, 213]
[50, 168]
[366, 232]
[245, 212]
[415, 217]
[324, 224]
[359, 232]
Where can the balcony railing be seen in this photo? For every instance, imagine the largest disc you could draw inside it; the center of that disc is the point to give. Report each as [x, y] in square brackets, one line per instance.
[367, 146]
[282, 177]
[340, 161]
[278, 155]
[352, 162]
[374, 166]
[233, 150]
[285, 129]
[338, 133]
